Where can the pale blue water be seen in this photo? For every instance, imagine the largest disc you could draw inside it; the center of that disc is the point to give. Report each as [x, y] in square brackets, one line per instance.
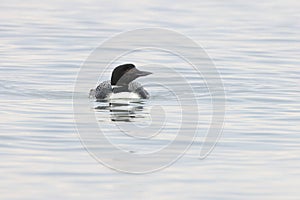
[255, 45]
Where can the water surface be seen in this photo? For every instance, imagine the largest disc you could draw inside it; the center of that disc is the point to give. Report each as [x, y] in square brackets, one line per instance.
[255, 46]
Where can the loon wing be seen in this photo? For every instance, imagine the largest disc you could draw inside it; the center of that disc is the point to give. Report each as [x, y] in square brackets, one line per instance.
[102, 90]
[138, 88]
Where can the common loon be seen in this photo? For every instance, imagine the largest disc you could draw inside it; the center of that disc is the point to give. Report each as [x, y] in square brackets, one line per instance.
[122, 80]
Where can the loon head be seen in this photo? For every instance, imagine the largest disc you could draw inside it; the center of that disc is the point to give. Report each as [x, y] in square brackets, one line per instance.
[124, 74]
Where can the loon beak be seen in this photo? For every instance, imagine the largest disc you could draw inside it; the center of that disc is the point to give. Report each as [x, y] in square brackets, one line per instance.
[142, 73]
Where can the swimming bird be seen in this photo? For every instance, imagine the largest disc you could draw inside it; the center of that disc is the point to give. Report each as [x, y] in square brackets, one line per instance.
[122, 80]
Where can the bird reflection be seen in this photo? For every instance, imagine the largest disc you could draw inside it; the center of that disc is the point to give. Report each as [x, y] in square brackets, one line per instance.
[123, 110]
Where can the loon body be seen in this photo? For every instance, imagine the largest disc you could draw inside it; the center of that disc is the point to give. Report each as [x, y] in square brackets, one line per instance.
[122, 80]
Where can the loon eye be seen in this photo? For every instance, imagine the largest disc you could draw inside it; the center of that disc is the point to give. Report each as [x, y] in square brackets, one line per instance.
[127, 70]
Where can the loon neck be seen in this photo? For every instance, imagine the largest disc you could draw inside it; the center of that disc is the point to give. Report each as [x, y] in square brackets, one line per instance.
[120, 88]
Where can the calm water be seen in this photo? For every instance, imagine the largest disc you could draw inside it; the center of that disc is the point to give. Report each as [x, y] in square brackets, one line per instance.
[255, 47]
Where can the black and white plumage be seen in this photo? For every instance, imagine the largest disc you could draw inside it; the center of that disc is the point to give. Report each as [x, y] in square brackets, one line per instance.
[121, 81]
